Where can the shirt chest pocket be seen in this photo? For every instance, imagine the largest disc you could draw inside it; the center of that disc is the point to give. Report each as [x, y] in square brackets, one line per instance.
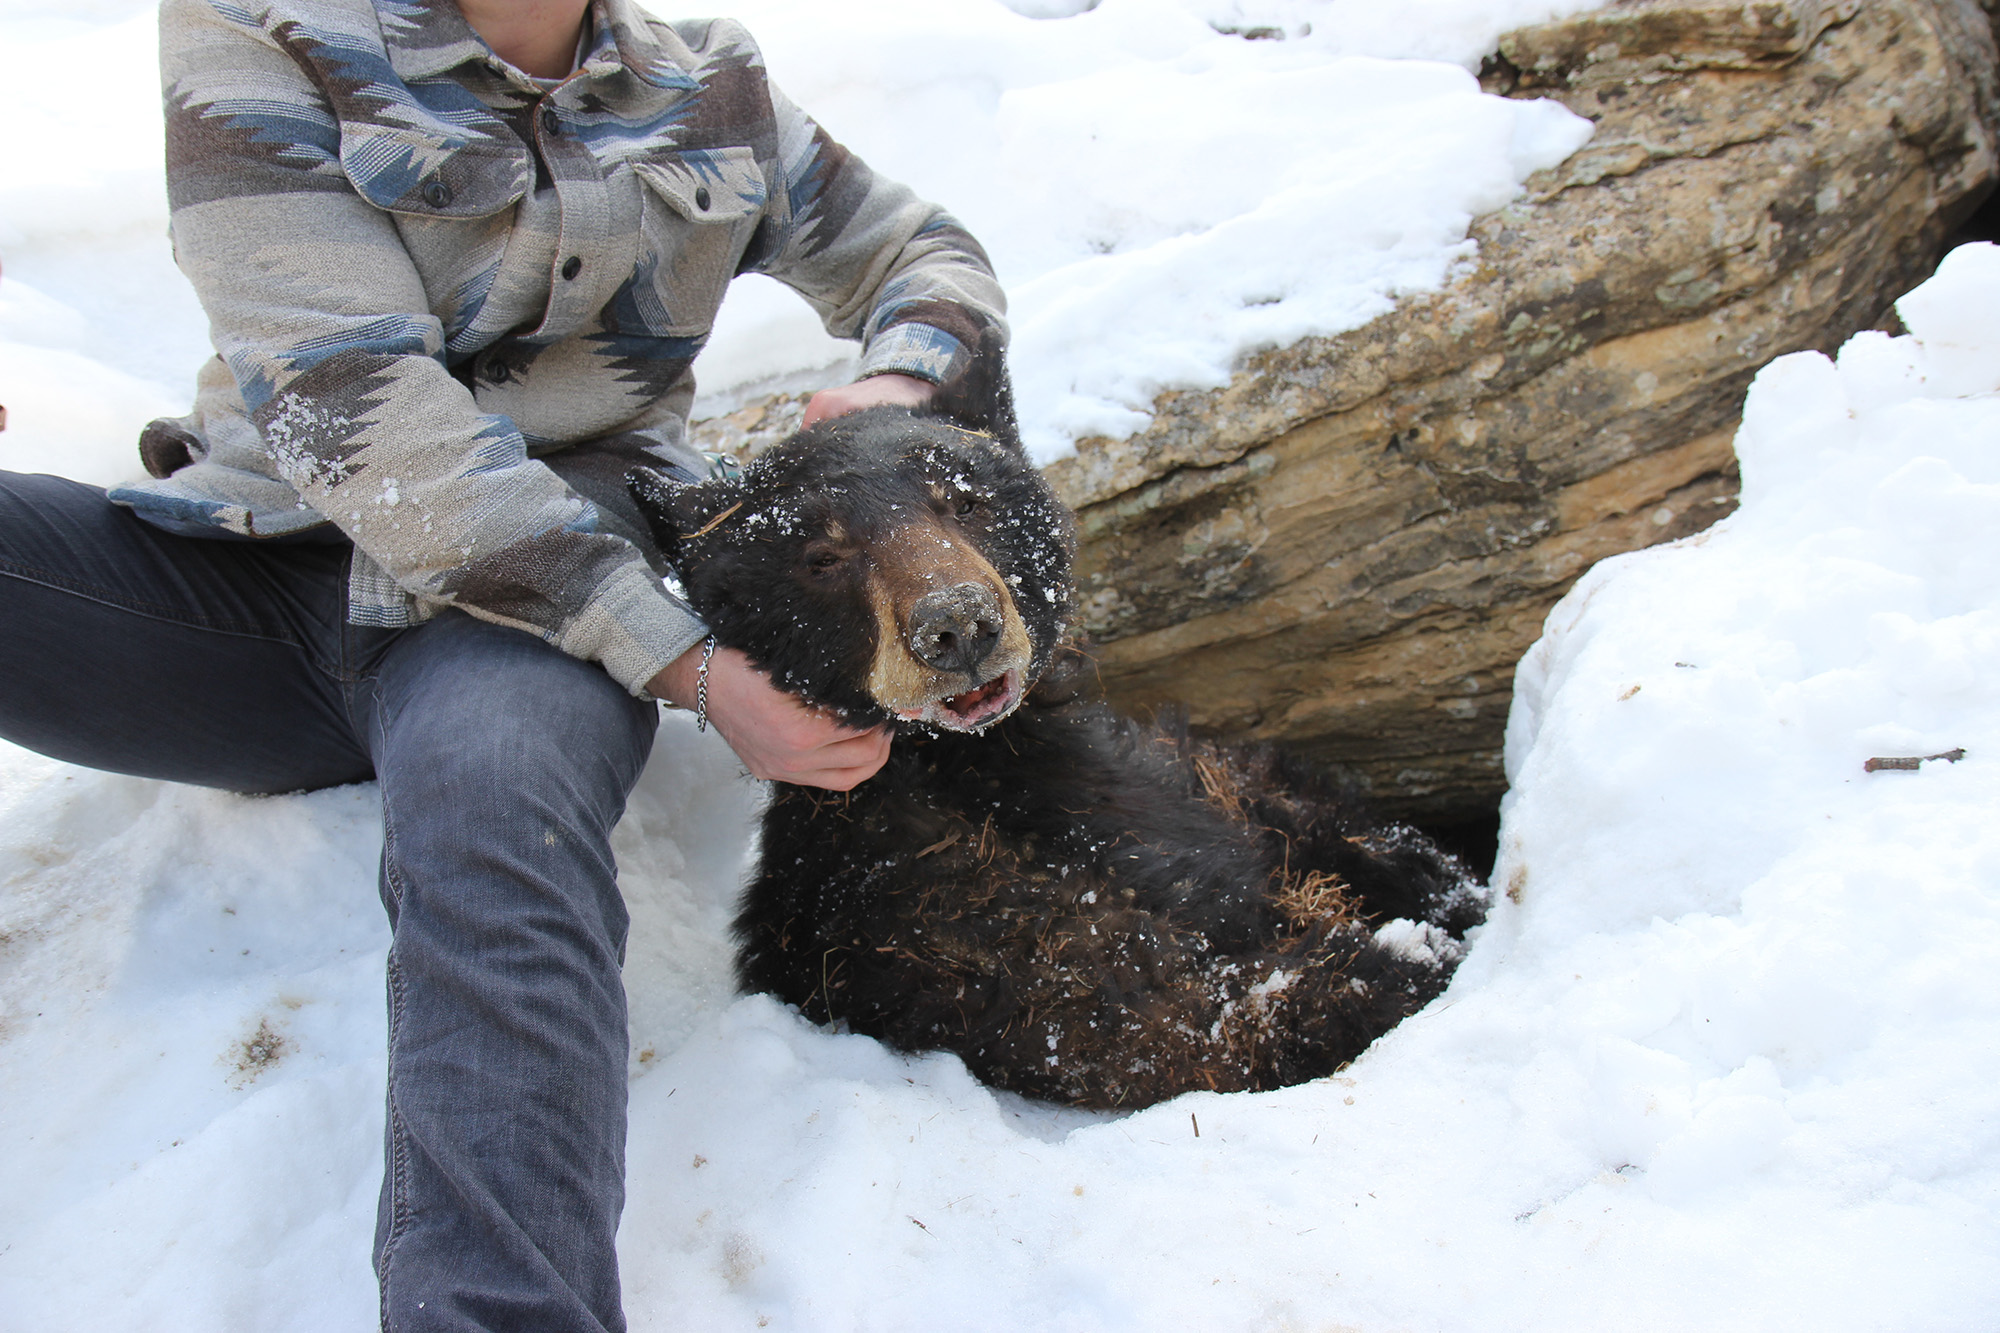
[699, 211]
[417, 175]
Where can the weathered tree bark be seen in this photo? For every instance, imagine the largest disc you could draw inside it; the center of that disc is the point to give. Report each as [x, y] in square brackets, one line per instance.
[1348, 547]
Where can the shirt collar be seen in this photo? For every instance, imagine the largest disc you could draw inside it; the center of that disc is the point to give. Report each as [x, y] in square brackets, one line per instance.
[426, 38]
[624, 27]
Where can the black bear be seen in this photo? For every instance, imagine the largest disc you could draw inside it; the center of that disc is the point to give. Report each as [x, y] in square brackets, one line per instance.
[1086, 909]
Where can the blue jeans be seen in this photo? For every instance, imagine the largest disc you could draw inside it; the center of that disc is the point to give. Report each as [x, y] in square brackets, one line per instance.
[503, 766]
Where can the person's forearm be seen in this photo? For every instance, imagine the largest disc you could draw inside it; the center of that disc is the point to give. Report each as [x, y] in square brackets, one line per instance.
[678, 683]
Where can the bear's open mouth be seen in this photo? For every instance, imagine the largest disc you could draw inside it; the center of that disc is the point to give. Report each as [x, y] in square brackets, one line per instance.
[986, 702]
[976, 707]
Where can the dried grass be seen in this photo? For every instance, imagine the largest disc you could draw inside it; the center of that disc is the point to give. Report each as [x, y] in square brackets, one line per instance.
[1220, 786]
[1316, 900]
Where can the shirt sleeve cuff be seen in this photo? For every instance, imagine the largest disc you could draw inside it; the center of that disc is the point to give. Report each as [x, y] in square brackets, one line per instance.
[634, 627]
[914, 349]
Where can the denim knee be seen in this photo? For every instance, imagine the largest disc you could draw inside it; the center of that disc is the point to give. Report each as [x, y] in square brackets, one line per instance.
[504, 754]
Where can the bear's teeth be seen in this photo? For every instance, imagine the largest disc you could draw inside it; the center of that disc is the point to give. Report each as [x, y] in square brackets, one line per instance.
[983, 703]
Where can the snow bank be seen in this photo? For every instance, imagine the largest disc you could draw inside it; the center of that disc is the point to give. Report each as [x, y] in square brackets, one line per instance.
[1766, 973]
[1726, 1062]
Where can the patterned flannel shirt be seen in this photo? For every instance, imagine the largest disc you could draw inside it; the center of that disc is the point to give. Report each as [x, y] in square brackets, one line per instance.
[454, 304]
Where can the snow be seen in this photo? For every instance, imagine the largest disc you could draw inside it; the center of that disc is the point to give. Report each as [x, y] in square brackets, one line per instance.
[1723, 1058]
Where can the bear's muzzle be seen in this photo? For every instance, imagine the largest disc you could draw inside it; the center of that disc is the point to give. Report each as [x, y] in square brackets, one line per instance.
[956, 628]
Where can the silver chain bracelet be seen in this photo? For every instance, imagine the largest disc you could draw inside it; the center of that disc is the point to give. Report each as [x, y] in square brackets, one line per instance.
[701, 685]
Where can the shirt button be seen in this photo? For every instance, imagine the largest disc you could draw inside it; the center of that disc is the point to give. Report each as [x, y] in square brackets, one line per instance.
[436, 193]
[551, 122]
[701, 197]
[571, 267]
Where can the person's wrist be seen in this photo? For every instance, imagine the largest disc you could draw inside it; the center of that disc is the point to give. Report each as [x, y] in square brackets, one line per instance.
[678, 683]
[701, 684]
[899, 380]
[886, 387]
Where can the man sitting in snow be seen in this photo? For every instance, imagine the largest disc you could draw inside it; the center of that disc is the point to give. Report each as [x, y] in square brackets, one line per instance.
[458, 260]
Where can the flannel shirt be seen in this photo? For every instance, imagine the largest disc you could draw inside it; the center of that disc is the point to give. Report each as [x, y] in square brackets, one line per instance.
[454, 304]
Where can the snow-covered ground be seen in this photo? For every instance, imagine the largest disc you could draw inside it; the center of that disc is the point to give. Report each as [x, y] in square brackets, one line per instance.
[1725, 1057]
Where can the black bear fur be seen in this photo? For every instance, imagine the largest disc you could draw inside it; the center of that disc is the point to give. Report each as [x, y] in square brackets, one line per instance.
[1085, 908]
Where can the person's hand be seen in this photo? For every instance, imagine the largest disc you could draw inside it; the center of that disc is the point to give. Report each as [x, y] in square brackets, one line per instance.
[776, 736]
[901, 390]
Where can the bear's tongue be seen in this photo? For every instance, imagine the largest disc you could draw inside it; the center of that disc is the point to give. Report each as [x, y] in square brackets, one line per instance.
[982, 701]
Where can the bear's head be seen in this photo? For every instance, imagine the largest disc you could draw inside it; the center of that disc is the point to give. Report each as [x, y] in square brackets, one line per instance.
[882, 564]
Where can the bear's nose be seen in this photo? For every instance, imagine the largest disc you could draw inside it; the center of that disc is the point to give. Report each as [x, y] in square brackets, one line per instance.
[955, 628]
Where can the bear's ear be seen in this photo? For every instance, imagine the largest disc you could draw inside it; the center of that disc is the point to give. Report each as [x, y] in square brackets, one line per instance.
[980, 397]
[676, 510]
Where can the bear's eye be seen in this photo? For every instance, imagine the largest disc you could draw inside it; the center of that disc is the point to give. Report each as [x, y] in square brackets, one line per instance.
[823, 559]
[964, 503]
